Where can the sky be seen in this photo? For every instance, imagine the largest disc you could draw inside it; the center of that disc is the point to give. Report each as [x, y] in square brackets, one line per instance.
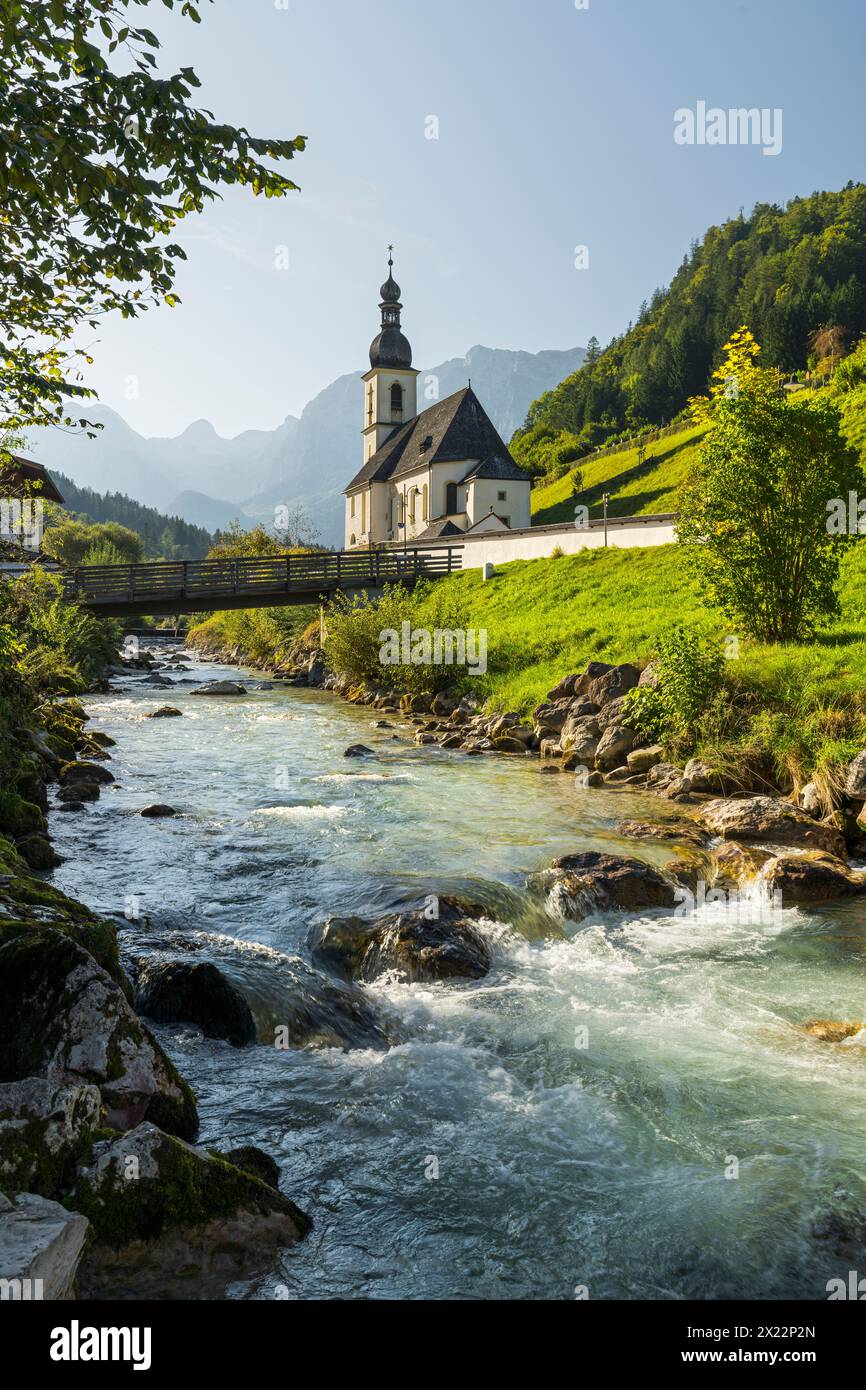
[553, 128]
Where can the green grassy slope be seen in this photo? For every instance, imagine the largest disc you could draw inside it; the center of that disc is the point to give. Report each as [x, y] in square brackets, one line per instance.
[545, 618]
[635, 488]
[645, 488]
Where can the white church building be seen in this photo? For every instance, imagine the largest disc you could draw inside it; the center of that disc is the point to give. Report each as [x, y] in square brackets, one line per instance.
[441, 473]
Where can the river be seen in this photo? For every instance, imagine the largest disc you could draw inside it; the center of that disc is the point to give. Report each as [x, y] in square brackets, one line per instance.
[700, 1145]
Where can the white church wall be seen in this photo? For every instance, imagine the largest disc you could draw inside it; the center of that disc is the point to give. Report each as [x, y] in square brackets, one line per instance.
[485, 496]
[539, 542]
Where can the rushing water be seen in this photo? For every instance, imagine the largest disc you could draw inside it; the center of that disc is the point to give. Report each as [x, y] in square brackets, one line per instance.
[559, 1165]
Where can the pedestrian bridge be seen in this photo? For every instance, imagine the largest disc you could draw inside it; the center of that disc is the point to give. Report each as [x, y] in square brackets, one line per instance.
[271, 581]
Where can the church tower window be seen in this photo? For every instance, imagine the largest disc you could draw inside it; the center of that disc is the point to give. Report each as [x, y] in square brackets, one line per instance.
[396, 401]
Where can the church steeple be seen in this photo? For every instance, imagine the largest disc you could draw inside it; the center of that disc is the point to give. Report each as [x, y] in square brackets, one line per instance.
[390, 348]
[391, 384]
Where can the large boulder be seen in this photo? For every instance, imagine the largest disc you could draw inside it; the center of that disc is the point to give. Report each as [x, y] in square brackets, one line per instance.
[45, 1129]
[813, 877]
[169, 1216]
[701, 776]
[613, 683]
[195, 992]
[614, 747]
[255, 1161]
[62, 1017]
[591, 672]
[73, 773]
[565, 689]
[440, 942]
[551, 716]
[578, 885]
[580, 735]
[772, 820]
[41, 1244]
[27, 904]
[643, 759]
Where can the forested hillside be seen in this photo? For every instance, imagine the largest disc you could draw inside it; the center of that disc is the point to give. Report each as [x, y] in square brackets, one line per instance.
[795, 275]
[164, 537]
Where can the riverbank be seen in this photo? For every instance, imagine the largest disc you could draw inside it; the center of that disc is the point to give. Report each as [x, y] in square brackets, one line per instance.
[89, 1099]
[786, 715]
[303, 876]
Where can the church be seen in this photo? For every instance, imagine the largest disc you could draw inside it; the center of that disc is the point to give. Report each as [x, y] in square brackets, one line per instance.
[445, 472]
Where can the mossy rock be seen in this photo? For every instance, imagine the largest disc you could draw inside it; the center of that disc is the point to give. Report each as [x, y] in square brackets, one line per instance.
[63, 1017]
[46, 1130]
[85, 771]
[28, 903]
[147, 1182]
[38, 852]
[252, 1160]
[19, 817]
[62, 748]
[30, 783]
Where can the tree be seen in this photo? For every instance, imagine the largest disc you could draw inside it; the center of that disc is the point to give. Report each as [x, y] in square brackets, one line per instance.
[756, 509]
[100, 159]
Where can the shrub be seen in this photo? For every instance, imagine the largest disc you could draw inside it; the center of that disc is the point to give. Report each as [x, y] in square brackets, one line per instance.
[688, 671]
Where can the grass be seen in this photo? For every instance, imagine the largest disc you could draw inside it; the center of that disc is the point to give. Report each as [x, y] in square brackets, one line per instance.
[635, 488]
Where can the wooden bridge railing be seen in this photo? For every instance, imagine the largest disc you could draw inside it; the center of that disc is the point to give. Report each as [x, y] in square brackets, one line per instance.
[201, 584]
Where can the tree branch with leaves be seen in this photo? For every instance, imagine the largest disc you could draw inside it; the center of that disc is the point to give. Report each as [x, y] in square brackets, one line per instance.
[101, 158]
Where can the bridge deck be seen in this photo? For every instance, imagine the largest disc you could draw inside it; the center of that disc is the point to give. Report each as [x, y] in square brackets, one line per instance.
[196, 586]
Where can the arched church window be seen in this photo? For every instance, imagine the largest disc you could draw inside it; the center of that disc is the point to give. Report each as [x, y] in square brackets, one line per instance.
[450, 499]
[424, 504]
[396, 400]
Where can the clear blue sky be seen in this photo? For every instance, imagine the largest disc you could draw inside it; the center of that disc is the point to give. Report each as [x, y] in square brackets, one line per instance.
[555, 130]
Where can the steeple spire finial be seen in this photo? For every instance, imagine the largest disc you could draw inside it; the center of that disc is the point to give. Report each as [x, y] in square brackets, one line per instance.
[390, 348]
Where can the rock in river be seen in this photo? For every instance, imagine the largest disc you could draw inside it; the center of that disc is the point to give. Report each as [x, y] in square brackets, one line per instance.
[580, 884]
[811, 878]
[195, 992]
[190, 1219]
[221, 688]
[358, 750]
[157, 811]
[447, 946]
[771, 819]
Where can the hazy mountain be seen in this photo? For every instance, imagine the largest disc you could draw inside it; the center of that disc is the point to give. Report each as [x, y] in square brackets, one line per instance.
[306, 462]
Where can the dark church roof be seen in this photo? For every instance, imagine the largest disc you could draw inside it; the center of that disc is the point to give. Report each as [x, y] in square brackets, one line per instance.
[442, 527]
[451, 430]
[391, 348]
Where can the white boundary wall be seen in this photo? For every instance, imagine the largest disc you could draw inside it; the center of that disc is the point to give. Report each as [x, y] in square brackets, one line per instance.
[539, 542]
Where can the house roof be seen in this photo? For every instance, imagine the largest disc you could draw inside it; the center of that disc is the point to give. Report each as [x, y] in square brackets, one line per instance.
[442, 527]
[455, 428]
[482, 521]
[24, 478]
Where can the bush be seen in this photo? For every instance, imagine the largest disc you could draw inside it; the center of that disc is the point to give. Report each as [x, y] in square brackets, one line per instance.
[688, 671]
[355, 627]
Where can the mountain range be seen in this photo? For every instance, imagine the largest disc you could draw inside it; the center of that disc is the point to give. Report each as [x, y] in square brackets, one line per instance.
[305, 462]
